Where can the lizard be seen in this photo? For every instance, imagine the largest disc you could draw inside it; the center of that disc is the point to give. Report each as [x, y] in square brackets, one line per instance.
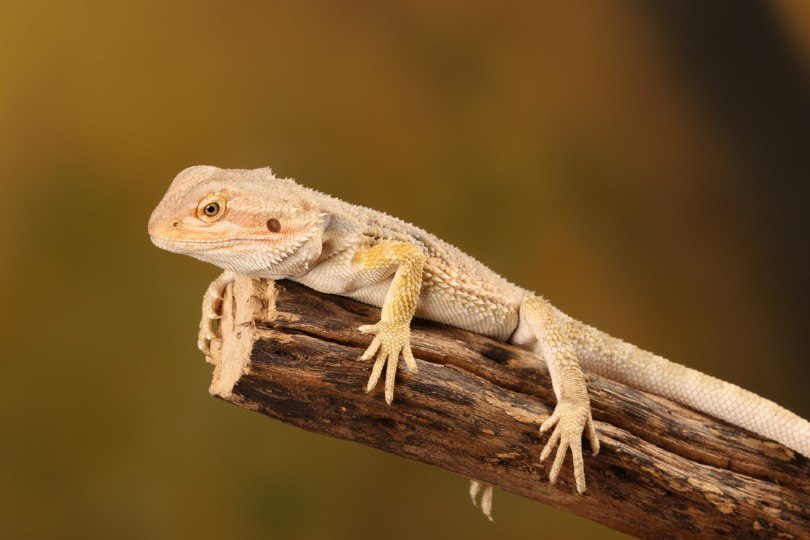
[253, 223]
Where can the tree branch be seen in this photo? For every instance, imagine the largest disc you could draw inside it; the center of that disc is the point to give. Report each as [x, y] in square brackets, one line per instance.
[475, 406]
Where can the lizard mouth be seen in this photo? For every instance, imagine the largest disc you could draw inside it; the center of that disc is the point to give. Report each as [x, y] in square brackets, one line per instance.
[178, 245]
[185, 246]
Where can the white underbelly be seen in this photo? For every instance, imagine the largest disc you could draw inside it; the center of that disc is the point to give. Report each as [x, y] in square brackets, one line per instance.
[442, 305]
[443, 308]
[439, 306]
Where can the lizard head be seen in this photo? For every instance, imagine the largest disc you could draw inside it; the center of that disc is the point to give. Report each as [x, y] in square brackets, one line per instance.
[246, 221]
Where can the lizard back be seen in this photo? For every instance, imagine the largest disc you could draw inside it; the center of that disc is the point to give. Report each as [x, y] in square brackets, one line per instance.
[457, 289]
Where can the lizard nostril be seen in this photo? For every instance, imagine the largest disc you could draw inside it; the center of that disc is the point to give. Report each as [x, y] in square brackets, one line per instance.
[175, 224]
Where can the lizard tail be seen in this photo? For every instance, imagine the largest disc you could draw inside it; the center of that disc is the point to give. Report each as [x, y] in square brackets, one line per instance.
[625, 363]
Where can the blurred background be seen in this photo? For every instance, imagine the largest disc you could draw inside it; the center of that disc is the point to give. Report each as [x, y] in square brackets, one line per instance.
[642, 164]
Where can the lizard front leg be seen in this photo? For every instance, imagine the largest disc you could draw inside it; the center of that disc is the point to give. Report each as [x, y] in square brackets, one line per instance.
[211, 311]
[393, 332]
[572, 415]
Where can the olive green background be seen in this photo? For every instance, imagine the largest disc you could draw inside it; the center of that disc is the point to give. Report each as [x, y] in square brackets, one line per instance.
[642, 164]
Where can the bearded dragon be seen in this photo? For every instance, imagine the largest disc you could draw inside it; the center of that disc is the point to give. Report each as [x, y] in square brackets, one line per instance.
[250, 222]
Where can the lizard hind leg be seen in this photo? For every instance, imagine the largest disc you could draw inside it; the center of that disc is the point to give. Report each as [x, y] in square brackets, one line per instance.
[540, 331]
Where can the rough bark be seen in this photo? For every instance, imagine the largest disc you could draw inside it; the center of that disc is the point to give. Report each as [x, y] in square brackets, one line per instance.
[475, 406]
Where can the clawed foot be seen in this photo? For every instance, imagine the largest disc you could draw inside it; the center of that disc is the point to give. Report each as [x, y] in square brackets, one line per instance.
[390, 340]
[570, 420]
[485, 490]
[212, 312]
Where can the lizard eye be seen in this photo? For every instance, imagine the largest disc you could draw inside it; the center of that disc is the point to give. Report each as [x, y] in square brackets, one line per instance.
[211, 208]
[273, 225]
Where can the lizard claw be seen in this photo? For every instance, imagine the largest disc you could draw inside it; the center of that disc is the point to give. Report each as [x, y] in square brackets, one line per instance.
[391, 340]
[368, 329]
[477, 487]
[569, 420]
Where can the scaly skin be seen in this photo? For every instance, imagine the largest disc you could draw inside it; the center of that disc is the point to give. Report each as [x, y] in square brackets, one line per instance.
[212, 303]
[393, 332]
[252, 223]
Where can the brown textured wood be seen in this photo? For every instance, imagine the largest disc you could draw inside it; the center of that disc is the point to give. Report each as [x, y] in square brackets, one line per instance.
[475, 406]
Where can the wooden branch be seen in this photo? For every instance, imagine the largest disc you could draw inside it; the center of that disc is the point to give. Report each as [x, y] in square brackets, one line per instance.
[475, 406]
